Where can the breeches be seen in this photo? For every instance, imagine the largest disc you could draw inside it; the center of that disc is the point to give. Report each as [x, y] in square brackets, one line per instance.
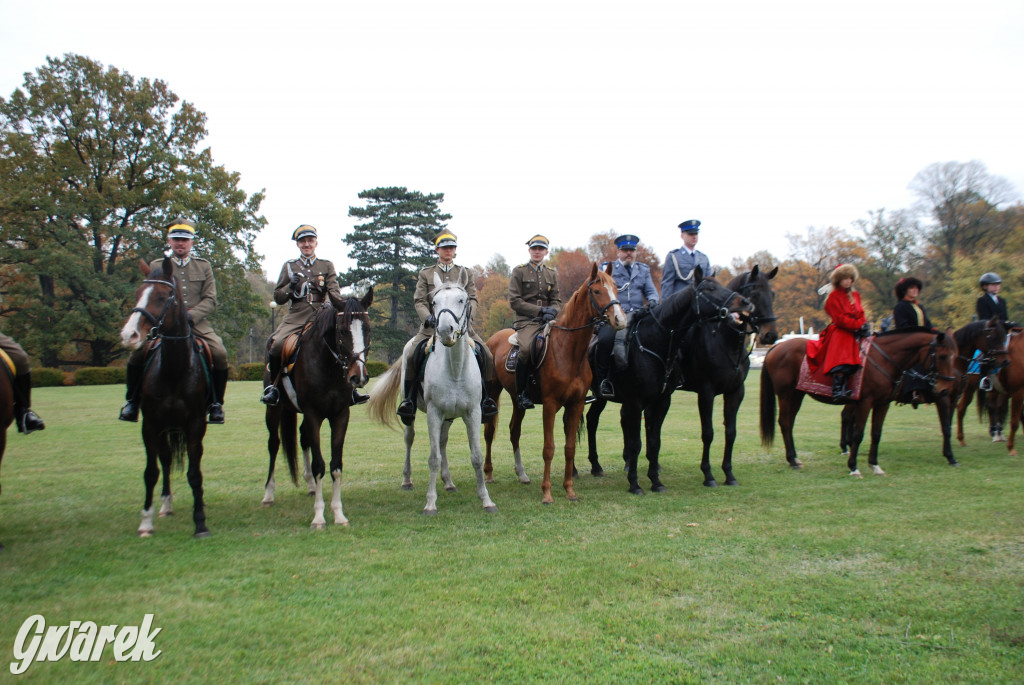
[16, 353]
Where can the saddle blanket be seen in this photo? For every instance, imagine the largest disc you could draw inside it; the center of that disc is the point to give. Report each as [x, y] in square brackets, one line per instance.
[820, 383]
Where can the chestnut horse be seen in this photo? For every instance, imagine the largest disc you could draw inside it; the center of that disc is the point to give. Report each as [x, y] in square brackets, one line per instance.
[563, 375]
[1010, 381]
[889, 356]
[6, 413]
[989, 339]
[174, 391]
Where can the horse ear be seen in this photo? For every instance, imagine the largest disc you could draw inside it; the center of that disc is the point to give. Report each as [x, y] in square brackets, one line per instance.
[438, 283]
[593, 270]
[754, 272]
[144, 267]
[773, 273]
[367, 298]
[698, 274]
[608, 269]
[168, 268]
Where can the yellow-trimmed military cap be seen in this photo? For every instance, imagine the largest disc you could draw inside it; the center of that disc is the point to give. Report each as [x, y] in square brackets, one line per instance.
[303, 231]
[445, 239]
[538, 241]
[181, 228]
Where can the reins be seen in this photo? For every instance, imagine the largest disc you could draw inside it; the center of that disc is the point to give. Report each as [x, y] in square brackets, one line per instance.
[155, 331]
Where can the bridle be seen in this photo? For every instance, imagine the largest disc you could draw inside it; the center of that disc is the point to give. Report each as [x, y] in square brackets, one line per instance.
[596, 306]
[158, 323]
[753, 322]
[461, 320]
[931, 375]
[349, 353]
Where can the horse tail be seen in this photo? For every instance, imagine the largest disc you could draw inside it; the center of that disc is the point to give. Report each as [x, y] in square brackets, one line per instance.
[178, 446]
[767, 408]
[384, 396]
[288, 431]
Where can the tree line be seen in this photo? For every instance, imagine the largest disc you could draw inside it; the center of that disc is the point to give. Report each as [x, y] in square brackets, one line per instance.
[93, 162]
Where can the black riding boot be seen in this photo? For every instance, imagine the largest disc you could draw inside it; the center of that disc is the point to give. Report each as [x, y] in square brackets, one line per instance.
[26, 418]
[488, 407]
[271, 396]
[839, 389]
[220, 384]
[133, 379]
[407, 409]
[358, 397]
[524, 376]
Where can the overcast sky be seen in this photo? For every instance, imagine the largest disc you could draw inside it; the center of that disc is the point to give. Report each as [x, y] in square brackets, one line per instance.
[569, 118]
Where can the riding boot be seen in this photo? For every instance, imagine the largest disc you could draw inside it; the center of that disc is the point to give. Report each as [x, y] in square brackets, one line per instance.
[407, 409]
[488, 407]
[524, 376]
[271, 396]
[358, 397]
[26, 418]
[133, 379]
[602, 370]
[220, 384]
[839, 389]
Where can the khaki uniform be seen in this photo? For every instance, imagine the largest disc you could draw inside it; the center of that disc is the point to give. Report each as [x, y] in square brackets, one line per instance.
[530, 289]
[423, 299]
[16, 353]
[318, 283]
[199, 291]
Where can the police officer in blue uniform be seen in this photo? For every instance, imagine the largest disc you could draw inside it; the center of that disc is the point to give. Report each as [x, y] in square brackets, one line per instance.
[680, 263]
[636, 289]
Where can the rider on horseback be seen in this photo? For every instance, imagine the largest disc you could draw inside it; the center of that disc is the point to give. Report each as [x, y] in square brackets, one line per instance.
[24, 416]
[838, 350]
[200, 293]
[307, 283]
[412, 363]
[533, 295]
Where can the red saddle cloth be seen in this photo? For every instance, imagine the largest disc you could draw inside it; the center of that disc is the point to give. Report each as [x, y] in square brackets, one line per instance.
[818, 382]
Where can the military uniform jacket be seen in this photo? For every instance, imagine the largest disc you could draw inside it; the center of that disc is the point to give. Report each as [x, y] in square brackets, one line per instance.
[986, 308]
[318, 281]
[530, 289]
[198, 288]
[423, 298]
[676, 274]
[634, 284]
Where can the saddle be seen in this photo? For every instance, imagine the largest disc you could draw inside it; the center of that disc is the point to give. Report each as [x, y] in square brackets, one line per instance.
[8, 364]
[538, 351]
[819, 381]
[204, 350]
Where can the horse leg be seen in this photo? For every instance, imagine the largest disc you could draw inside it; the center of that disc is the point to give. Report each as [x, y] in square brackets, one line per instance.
[195, 476]
[339, 427]
[961, 409]
[629, 419]
[706, 407]
[789, 406]
[944, 408]
[654, 418]
[730, 407]
[845, 428]
[273, 421]
[515, 430]
[859, 420]
[472, 421]
[311, 433]
[571, 417]
[1017, 404]
[446, 476]
[410, 434]
[166, 498]
[434, 421]
[150, 476]
[593, 417]
[490, 426]
[307, 470]
[877, 419]
[549, 450]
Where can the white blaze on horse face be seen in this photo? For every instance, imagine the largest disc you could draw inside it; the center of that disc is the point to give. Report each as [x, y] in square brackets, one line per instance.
[131, 336]
[359, 375]
[618, 319]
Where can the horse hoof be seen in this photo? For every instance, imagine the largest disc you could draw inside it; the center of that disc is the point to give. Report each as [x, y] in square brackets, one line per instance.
[450, 488]
[711, 483]
[165, 514]
[202, 534]
[430, 512]
[317, 526]
[963, 443]
[145, 533]
[524, 481]
[407, 486]
[796, 466]
[856, 473]
[597, 472]
[877, 470]
[636, 491]
[267, 502]
[572, 498]
[954, 462]
[658, 488]
[491, 510]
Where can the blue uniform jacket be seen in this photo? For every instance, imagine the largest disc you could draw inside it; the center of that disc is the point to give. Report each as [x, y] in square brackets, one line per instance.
[634, 285]
[678, 266]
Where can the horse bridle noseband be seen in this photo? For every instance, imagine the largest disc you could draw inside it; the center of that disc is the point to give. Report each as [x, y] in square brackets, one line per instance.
[155, 331]
[932, 374]
[461, 321]
[596, 320]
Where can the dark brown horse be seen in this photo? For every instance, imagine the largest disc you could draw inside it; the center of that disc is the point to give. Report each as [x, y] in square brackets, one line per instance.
[563, 375]
[987, 340]
[174, 391]
[889, 356]
[6, 413]
[331, 362]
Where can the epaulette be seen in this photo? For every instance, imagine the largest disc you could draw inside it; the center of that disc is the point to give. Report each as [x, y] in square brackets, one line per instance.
[200, 259]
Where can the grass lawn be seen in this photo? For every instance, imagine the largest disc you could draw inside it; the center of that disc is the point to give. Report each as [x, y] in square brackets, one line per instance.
[793, 576]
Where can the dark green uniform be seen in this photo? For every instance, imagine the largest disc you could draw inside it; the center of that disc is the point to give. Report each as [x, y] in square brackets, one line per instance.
[318, 281]
[530, 289]
[24, 416]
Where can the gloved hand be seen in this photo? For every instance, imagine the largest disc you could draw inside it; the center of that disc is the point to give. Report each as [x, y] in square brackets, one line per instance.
[431, 321]
[548, 313]
[864, 331]
[296, 277]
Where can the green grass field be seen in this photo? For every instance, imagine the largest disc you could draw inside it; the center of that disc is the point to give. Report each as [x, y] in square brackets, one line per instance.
[791, 577]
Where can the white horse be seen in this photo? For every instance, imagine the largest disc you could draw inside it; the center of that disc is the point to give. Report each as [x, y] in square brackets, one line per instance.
[452, 389]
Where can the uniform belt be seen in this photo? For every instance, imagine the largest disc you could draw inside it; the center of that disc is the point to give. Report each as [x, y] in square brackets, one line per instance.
[316, 297]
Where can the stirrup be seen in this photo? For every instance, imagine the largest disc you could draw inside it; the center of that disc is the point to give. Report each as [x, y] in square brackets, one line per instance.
[407, 412]
[524, 401]
[488, 408]
[216, 413]
[271, 396]
[129, 412]
[606, 391]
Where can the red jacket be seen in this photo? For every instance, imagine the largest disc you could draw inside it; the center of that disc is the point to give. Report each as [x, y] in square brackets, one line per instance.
[838, 343]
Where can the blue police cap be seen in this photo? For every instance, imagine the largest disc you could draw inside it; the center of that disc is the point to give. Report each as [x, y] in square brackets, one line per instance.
[690, 226]
[627, 242]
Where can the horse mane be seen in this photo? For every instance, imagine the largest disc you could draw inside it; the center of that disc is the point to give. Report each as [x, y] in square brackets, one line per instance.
[741, 280]
[577, 301]
[964, 334]
[904, 331]
[671, 306]
[323, 322]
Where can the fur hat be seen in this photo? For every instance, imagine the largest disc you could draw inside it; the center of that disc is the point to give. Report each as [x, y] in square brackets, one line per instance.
[906, 284]
[843, 271]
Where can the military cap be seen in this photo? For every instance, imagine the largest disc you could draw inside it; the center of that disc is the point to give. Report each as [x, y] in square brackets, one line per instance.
[690, 226]
[303, 231]
[445, 239]
[627, 242]
[538, 241]
[180, 228]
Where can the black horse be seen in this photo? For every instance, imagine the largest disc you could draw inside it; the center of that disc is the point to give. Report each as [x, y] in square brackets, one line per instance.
[644, 387]
[331, 363]
[174, 392]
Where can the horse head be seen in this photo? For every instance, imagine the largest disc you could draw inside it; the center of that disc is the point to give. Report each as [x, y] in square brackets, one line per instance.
[714, 299]
[755, 286]
[450, 305]
[604, 296]
[157, 305]
[352, 331]
[940, 363]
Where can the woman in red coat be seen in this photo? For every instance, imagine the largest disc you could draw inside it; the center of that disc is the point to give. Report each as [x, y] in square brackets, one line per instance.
[838, 350]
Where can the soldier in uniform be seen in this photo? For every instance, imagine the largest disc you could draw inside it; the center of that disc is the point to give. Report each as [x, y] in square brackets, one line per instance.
[449, 272]
[533, 295]
[307, 283]
[636, 289]
[23, 415]
[200, 293]
[680, 263]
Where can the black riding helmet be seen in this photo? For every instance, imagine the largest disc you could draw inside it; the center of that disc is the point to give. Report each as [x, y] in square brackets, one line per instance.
[990, 278]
